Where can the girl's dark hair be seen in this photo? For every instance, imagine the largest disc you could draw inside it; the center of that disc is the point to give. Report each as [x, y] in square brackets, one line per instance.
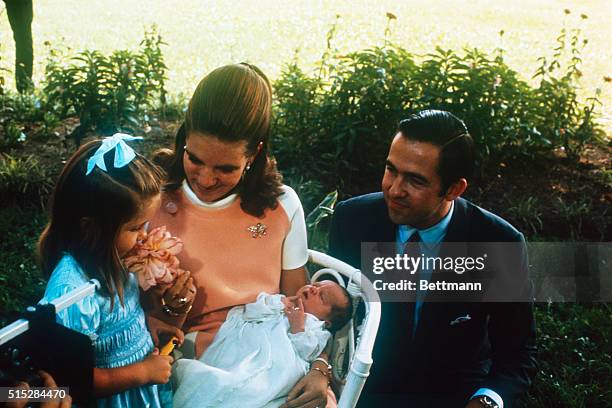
[449, 133]
[232, 103]
[87, 212]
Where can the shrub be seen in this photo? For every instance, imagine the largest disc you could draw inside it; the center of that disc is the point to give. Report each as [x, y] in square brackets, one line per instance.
[20, 281]
[17, 112]
[23, 181]
[108, 93]
[340, 119]
[573, 357]
[563, 119]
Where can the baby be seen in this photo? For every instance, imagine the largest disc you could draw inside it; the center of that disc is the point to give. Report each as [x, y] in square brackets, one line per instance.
[263, 349]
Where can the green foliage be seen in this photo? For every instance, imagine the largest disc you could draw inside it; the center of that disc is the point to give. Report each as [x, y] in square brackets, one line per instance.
[574, 358]
[108, 93]
[527, 213]
[341, 121]
[573, 212]
[18, 110]
[23, 181]
[20, 281]
[317, 238]
[340, 118]
[564, 120]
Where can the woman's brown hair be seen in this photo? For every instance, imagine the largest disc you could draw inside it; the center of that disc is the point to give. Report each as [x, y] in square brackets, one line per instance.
[87, 212]
[232, 103]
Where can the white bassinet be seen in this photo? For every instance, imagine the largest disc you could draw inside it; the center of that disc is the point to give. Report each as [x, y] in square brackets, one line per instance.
[351, 355]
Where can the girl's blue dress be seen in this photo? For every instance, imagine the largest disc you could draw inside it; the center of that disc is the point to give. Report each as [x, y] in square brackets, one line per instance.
[120, 336]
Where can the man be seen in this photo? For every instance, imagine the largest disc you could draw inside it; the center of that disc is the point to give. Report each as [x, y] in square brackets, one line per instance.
[437, 354]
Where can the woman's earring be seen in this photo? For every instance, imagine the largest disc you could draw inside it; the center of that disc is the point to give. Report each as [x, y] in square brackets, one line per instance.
[246, 169]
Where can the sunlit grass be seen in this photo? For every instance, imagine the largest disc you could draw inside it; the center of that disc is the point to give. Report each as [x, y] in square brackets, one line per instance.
[204, 34]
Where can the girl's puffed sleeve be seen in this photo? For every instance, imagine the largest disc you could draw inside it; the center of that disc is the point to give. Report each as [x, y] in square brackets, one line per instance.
[84, 315]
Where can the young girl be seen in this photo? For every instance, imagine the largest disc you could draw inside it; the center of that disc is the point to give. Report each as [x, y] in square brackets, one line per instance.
[262, 349]
[101, 204]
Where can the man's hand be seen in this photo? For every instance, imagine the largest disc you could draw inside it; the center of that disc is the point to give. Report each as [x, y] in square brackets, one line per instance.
[49, 382]
[309, 392]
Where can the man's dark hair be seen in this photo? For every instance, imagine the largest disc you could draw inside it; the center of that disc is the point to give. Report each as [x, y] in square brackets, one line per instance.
[445, 130]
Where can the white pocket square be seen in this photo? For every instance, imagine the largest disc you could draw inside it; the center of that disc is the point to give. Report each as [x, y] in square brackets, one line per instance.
[460, 319]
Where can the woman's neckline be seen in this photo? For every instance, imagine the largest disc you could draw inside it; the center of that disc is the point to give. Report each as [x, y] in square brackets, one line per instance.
[222, 203]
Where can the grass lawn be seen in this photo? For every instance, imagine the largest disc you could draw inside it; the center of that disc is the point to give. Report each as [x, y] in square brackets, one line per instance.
[202, 35]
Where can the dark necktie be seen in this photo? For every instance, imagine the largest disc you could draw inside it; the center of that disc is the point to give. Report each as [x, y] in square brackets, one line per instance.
[413, 250]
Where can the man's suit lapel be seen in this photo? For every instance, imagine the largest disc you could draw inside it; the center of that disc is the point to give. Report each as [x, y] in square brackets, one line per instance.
[384, 228]
[458, 226]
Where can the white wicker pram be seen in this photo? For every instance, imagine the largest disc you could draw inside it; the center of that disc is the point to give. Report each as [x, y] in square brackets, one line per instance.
[351, 356]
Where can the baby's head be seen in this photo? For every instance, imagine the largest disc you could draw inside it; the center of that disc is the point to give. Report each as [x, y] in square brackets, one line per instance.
[327, 301]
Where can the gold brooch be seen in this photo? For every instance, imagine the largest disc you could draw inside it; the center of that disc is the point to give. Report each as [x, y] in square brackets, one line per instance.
[257, 230]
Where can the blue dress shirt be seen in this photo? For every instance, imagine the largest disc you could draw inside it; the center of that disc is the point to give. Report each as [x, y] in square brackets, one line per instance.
[430, 244]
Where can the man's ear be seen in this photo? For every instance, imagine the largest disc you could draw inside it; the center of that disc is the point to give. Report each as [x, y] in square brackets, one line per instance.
[456, 189]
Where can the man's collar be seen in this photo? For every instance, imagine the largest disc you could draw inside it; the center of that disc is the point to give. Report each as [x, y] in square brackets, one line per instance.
[432, 235]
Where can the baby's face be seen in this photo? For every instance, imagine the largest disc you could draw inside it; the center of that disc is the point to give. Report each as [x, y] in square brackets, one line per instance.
[319, 298]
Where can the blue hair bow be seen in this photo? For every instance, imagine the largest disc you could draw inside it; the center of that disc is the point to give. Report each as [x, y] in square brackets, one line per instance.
[124, 154]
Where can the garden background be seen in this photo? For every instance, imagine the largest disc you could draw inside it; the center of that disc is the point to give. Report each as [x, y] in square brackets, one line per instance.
[531, 79]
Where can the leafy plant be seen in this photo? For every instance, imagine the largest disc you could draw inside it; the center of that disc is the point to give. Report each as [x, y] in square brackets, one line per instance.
[573, 356]
[564, 119]
[23, 181]
[573, 213]
[316, 239]
[21, 284]
[18, 111]
[108, 93]
[338, 121]
[527, 213]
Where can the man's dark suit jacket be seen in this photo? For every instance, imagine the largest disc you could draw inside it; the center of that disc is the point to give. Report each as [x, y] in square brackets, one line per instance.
[495, 349]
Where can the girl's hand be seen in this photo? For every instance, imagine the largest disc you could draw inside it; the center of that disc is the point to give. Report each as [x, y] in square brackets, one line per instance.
[182, 293]
[157, 368]
[295, 315]
[157, 327]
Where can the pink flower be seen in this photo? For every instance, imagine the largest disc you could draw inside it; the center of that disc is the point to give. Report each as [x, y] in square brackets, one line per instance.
[154, 261]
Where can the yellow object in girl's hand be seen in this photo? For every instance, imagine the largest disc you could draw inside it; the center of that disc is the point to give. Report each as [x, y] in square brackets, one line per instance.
[167, 349]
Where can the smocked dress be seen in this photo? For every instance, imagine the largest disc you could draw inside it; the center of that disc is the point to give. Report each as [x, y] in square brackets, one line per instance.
[254, 360]
[120, 336]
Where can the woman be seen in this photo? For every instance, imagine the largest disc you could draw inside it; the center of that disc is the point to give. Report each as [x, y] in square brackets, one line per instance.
[243, 230]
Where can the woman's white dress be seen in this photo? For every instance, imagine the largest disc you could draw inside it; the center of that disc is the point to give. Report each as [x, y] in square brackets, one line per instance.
[254, 360]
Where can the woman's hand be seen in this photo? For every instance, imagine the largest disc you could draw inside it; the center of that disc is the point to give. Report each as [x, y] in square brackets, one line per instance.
[181, 294]
[157, 327]
[156, 368]
[309, 392]
[295, 314]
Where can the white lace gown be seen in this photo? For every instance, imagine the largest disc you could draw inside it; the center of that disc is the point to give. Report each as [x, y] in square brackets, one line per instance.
[254, 360]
